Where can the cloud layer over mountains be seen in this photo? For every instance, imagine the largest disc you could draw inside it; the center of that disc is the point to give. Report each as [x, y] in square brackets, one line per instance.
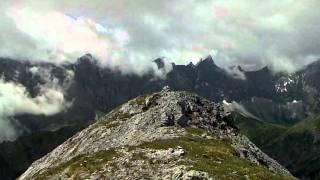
[129, 34]
[15, 100]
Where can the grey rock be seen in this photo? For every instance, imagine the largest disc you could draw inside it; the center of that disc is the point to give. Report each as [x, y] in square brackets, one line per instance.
[198, 175]
[158, 116]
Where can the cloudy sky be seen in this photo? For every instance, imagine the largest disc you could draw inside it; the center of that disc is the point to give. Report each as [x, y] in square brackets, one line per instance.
[129, 34]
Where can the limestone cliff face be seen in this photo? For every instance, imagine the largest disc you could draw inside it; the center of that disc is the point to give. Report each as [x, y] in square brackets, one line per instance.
[165, 135]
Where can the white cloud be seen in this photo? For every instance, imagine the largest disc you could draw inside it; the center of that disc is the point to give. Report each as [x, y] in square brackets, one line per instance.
[15, 100]
[238, 108]
[129, 34]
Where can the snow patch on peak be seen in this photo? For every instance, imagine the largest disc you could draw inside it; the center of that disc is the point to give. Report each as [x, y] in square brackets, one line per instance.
[283, 84]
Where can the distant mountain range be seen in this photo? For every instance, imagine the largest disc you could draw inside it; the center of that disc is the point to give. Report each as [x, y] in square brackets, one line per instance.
[276, 98]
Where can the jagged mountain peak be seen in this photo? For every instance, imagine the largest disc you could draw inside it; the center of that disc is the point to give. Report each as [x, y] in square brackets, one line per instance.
[208, 61]
[314, 64]
[87, 59]
[163, 135]
[264, 70]
[240, 68]
[159, 62]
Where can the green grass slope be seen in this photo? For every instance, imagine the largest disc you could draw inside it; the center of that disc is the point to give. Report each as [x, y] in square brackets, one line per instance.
[299, 148]
[213, 156]
[296, 147]
[259, 132]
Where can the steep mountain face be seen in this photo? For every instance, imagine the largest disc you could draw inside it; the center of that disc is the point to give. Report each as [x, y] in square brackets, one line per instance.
[286, 97]
[96, 90]
[270, 111]
[165, 135]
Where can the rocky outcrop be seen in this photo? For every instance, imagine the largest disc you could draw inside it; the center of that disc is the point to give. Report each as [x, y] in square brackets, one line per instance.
[165, 135]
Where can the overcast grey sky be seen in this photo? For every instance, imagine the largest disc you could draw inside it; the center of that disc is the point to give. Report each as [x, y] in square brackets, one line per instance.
[129, 34]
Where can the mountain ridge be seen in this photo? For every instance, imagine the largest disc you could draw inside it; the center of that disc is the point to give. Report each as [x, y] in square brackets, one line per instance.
[164, 117]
